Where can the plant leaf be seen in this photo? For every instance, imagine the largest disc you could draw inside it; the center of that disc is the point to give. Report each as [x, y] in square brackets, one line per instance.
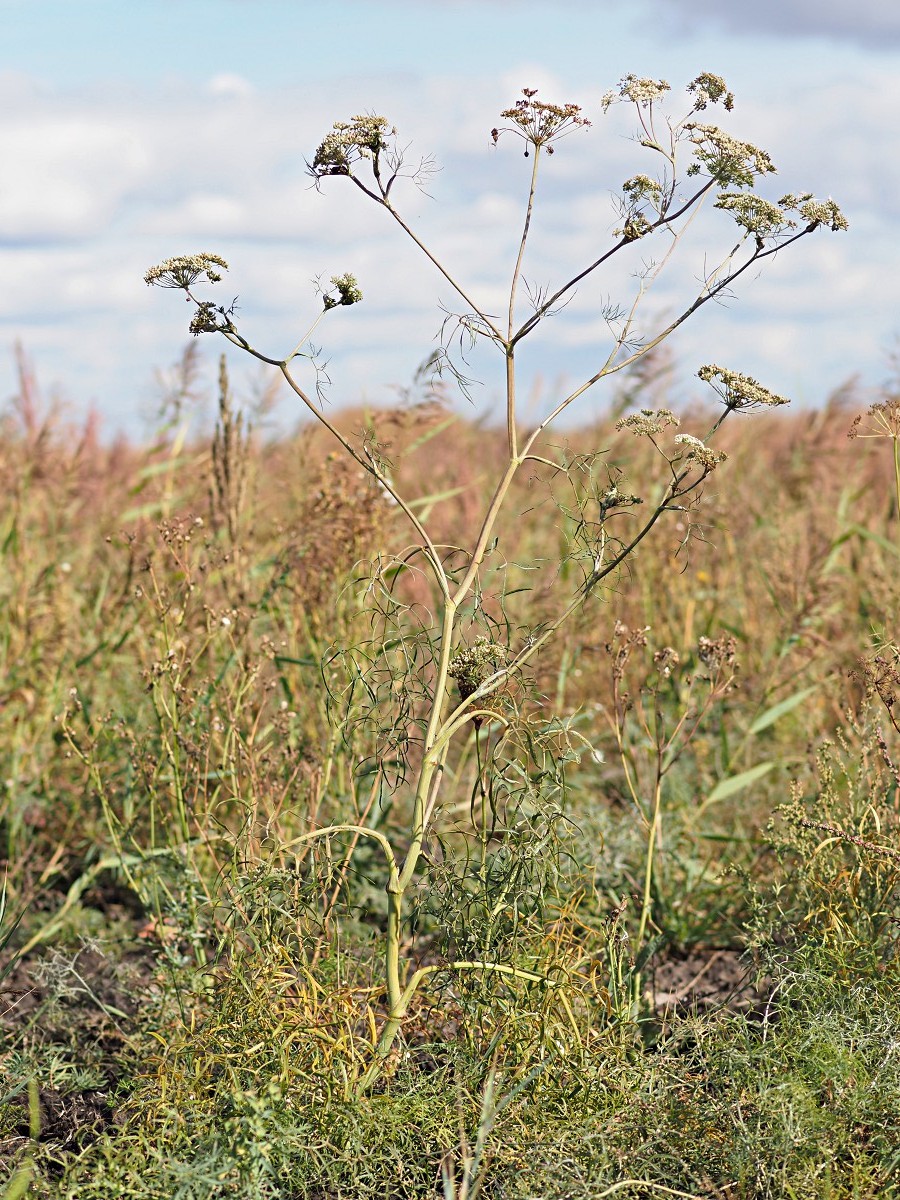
[771, 715]
[736, 783]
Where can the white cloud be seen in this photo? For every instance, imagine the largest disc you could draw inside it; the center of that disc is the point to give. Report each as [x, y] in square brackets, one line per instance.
[231, 87]
[874, 23]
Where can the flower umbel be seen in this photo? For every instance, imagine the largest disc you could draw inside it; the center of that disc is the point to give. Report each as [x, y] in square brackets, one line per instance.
[538, 122]
[699, 452]
[884, 421]
[350, 141]
[648, 421]
[185, 270]
[348, 291]
[815, 212]
[710, 89]
[753, 213]
[472, 666]
[727, 159]
[636, 90]
[739, 391]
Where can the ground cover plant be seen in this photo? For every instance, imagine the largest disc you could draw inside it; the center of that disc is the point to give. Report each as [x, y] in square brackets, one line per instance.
[424, 806]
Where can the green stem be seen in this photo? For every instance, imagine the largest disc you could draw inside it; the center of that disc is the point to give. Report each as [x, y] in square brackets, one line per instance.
[398, 1011]
[647, 899]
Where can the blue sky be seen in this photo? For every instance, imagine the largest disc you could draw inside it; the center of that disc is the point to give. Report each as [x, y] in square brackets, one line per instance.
[133, 131]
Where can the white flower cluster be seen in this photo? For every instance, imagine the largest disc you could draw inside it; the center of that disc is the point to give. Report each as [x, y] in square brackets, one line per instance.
[349, 141]
[726, 158]
[739, 391]
[472, 666]
[753, 213]
[648, 421]
[699, 452]
[816, 212]
[185, 270]
[348, 291]
[637, 91]
[641, 186]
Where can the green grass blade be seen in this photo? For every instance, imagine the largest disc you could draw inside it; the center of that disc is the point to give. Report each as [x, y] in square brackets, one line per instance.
[773, 714]
[736, 783]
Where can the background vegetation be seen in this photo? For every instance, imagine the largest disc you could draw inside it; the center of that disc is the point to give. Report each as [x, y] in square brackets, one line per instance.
[189, 994]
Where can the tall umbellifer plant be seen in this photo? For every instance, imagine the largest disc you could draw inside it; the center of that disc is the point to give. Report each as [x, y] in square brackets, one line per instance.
[692, 161]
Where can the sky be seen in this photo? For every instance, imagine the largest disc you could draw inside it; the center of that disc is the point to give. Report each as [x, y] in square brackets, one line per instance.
[133, 132]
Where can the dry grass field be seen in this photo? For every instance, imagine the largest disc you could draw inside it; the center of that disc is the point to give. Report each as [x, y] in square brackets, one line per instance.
[677, 862]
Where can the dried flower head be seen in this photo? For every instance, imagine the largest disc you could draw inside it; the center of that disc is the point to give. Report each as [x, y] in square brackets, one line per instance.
[718, 653]
[739, 391]
[699, 452]
[727, 159]
[185, 270]
[348, 291]
[815, 212]
[472, 666]
[884, 421]
[665, 660]
[635, 90]
[349, 142]
[648, 421]
[539, 123]
[710, 89]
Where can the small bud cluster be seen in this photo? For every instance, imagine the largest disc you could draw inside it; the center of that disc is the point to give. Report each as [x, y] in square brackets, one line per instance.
[635, 191]
[538, 122]
[739, 391]
[472, 666]
[205, 319]
[699, 452]
[348, 291]
[637, 91]
[185, 270]
[349, 141]
[648, 421]
[636, 226]
[615, 498]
